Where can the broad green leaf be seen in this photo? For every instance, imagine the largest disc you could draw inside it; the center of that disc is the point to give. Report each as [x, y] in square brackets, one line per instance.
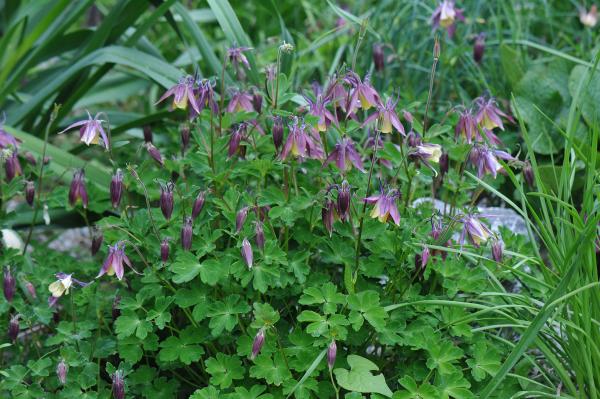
[224, 369]
[274, 371]
[360, 378]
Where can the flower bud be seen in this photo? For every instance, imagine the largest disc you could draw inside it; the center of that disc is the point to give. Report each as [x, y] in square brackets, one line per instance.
[30, 158]
[260, 235]
[257, 344]
[61, 372]
[31, 289]
[414, 139]
[185, 138]
[166, 200]
[116, 311]
[343, 201]
[257, 101]
[12, 167]
[198, 205]
[277, 132]
[240, 219]
[116, 188]
[164, 250]
[528, 174]
[328, 215]
[444, 163]
[479, 48]
[13, 327]
[97, 239]
[10, 284]
[378, 57]
[436, 228]
[186, 234]
[247, 254]
[147, 134]
[118, 385]
[331, 354]
[497, 249]
[155, 153]
[29, 192]
[424, 257]
[234, 142]
[77, 190]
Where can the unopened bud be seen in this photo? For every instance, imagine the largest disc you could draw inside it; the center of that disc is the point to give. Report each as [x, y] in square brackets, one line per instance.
[479, 48]
[29, 192]
[155, 153]
[164, 250]
[497, 249]
[147, 134]
[528, 174]
[257, 101]
[30, 158]
[166, 200]
[116, 188]
[257, 344]
[31, 289]
[61, 372]
[118, 385]
[343, 201]
[331, 354]
[424, 257]
[13, 327]
[97, 239]
[185, 137]
[260, 235]
[444, 163]
[187, 233]
[328, 215]
[198, 205]
[12, 167]
[277, 132]
[247, 254]
[378, 57]
[240, 219]
[436, 48]
[77, 190]
[9, 285]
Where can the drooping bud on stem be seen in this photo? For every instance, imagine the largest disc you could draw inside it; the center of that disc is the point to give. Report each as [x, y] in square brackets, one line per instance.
[164, 250]
[257, 344]
[328, 215]
[185, 138]
[116, 188]
[260, 235]
[331, 354]
[277, 132]
[424, 258]
[497, 249]
[247, 254]
[61, 372]
[29, 192]
[166, 200]
[479, 48]
[186, 233]
[444, 163]
[240, 219]
[378, 57]
[97, 239]
[155, 153]
[198, 205]
[9, 285]
[528, 174]
[257, 101]
[31, 289]
[147, 134]
[13, 327]
[343, 201]
[78, 190]
[118, 385]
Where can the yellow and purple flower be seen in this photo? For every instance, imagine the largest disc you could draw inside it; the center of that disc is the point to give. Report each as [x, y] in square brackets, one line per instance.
[77, 190]
[183, 93]
[114, 263]
[301, 144]
[446, 15]
[385, 206]
[62, 286]
[488, 114]
[90, 130]
[386, 116]
[317, 109]
[474, 230]
[363, 94]
[345, 155]
[240, 101]
[485, 159]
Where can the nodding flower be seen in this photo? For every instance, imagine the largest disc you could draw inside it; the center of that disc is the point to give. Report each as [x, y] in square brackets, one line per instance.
[236, 56]
[427, 152]
[13, 327]
[466, 126]
[259, 234]
[61, 372]
[238, 133]
[90, 130]
[317, 109]
[247, 254]
[155, 154]
[240, 101]
[474, 230]
[446, 15]
[385, 205]
[61, 287]
[78, 190]
[114, 263]
[386, 116]
[436, 227]
[488, 114]
[116, 188]
[343, 201]
[485, 159]
[363, 93]
[166, 199]
[345, 155]
[205, 95]
[29, 192]
[6, 139]
[301, 144]
[183, 93]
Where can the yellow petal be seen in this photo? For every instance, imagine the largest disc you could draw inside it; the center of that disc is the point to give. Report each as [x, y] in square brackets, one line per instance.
[386, 125]
[364, 103]
[57, 289]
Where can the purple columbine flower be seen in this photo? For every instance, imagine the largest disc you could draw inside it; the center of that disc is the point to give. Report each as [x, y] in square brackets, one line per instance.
[97, 239]
[345, 155]
[166, 199]
[436, 227]
[257, 101]
[61, 372]
[446, 15]
[378, 57]
[118, 385]
[302, 144]
[13, 327]
[61, 287]
[164, 250]
[277, 132]
[12, 166]
[114, 263]
[386, 118]
[328, 215]
[343, 201]
[444, 163]
[385, 206]
[247, 254]
[7, 140]
[147, 134]
[185, 137]
[155, 154]
[475, 230]
[198, 204]
[78, 190]
[90, 130]
[317, 109]
[237, 135]
[206, 95]
[425, 257]
[236, 56]
[467, 126]
[187, 233]
[240, 101]
[331, 354]
[116, 188]
[363, 94]
[9, 284]
[259, 234]
[488, 114]
[479, 47]
[257, 344]
[485, 159]
[183, 93]
[528, 174]
[29, 192]
[497, 249]
[427, 152]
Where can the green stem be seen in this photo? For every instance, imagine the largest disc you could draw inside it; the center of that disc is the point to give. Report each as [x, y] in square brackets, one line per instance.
[74, 321]
[436, 56]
